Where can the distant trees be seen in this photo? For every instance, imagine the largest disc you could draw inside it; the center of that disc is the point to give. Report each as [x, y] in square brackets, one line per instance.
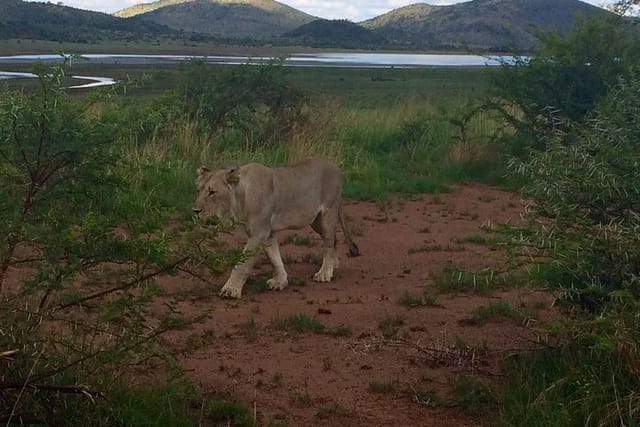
[250, 102]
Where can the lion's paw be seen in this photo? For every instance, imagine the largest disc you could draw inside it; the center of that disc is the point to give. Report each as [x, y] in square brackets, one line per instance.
[323, 276]
[277, 284]
[230, 292]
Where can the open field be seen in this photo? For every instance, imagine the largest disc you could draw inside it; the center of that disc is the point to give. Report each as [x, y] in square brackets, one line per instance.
[158, 46]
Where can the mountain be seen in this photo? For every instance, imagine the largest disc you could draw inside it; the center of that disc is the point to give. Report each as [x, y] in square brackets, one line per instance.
[490, 25]
[334, 33]
[480, 25]
[222, 18]
[48, 21]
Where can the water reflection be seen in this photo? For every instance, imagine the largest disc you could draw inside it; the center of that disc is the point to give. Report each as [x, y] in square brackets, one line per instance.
[330, 59]
[95, 81]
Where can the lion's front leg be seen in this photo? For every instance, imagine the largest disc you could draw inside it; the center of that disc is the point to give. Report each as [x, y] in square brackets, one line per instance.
[279, 280]
[239, 274]
[232, 288]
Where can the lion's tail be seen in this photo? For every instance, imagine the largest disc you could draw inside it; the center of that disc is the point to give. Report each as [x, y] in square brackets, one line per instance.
[353, 248]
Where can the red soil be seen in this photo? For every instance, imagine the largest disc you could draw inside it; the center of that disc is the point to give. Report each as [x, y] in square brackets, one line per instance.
[365, 379]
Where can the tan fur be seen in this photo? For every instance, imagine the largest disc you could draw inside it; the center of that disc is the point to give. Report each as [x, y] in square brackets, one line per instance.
[267, 200]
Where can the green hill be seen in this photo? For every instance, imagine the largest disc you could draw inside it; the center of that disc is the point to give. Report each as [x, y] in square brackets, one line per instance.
[48, 21]
[493, 25]
[222, 18]
[480, 25]
[334, 33]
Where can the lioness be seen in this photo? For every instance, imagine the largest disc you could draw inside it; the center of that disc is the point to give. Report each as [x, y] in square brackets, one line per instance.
[267, 200]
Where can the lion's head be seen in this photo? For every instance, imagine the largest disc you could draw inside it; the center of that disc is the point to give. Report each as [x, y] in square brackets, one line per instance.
[214, 193]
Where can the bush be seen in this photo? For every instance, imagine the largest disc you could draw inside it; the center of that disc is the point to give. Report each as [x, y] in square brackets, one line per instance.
[587, 195]
[249, 103]
[79, 254]
[566, 78]
[583, 232]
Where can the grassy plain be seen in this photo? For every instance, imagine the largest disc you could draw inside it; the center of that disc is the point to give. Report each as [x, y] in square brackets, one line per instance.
[391, 129]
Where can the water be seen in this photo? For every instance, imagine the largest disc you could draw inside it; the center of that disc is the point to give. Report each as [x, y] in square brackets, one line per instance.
[95, 81]
[337, 59]
[334, 59]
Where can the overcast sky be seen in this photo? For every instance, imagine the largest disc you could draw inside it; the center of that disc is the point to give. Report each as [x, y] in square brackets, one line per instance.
[354, 10]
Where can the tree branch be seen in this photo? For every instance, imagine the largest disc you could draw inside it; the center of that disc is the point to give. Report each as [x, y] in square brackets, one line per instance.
[122, 286]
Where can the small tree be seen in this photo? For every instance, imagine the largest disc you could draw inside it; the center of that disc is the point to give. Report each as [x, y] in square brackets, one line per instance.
[79, 254]
[587, 196]
[566, 77]
[252, 99]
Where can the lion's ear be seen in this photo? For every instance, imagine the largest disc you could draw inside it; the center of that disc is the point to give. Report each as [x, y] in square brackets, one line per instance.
[232, 177]
[202, 170]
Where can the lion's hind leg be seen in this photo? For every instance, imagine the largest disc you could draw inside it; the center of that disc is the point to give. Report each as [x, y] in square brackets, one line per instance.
[325, 225]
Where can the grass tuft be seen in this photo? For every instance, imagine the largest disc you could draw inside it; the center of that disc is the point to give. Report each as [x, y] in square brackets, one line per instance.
[297, 324]
[495, 312]
[472, 394]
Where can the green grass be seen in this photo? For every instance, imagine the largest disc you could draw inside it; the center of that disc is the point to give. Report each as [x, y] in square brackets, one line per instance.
[338, 331]
[411, 300]
[394, 135]
[590, 378]
[495, 312]
[229, 413]
[297, 324]
[390, 324]
[569, 387]
[249, 328]
[472, 394]
[298, 240]
[381, 387]
[456, 279]
[175, 404]
[476, 239]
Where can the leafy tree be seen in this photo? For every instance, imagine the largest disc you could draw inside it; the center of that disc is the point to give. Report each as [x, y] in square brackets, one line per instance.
[254, 100]
[583, 232]
[80, 252]
[587, 198]
[566, 77]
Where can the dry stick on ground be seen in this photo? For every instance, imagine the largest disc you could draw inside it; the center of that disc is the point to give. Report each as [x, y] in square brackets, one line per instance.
[442, 353]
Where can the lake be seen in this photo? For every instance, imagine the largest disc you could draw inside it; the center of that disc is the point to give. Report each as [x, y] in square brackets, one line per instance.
[333, 59]
[94, 81]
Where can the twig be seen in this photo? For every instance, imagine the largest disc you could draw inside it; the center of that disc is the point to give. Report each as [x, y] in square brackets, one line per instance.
[24, 386]
[123, 286]
[7, 355]
[23, 419]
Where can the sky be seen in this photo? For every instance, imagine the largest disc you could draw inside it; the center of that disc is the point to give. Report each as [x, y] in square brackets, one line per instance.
[354, 10]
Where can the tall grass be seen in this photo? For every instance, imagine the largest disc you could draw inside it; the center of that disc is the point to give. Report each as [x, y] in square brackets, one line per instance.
[590, 380]
[412, 145]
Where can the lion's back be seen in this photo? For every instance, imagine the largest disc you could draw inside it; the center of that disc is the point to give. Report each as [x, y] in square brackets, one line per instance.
[300, 191]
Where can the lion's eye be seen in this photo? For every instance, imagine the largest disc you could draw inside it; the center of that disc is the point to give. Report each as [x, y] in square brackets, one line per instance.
[211, 192]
